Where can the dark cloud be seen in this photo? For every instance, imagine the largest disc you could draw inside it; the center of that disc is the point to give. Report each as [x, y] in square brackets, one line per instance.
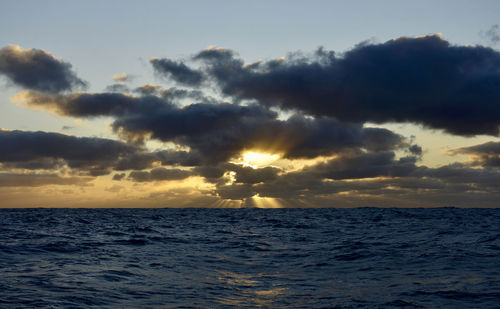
[487, 154]
[423, 80]
[250, 175]
[481, 179]
[172, 94]
[179, 157]
[489, 148]
[36, 164]
[94, 156]
[36, 180]
[331, 98]
[119, 176]
[177, 71]
[25, 149]
[215, 130]
[208, 127]
[137, 161]
[95, 104]
[350, 171]
[210, 173]
[223, 64]
[378, 139]
[159, 174]
[224, 173]
[364, 165]
[220, 131]
[37, 69]
[218, 57]
[372, 173]
[446, 183]
[235, 191]
[143, 159]
[415, 150]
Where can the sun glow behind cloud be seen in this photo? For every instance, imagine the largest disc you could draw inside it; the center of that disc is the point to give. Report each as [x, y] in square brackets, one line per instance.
[265, 202]
[258, 159]
[250, 144]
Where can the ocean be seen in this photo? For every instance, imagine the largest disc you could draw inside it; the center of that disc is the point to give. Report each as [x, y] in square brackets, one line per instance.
[250, 258]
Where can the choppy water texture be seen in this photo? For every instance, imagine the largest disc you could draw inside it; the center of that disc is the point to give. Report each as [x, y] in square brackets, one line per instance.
[276, 258]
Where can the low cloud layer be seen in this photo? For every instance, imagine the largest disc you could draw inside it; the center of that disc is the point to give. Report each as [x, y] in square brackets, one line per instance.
[308, 117]
[36, 180]
[159, 174]
[45, 150]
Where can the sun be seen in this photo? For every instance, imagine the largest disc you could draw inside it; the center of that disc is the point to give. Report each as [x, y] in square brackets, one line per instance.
[258, 159]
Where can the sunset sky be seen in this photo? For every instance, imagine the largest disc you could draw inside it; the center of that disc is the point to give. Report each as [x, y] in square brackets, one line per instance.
[249, 104]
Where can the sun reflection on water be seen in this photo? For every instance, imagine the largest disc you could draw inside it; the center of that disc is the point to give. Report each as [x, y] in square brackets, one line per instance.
[252, 291]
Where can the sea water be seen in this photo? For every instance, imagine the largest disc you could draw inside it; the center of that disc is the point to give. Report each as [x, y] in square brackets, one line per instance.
[250, 258]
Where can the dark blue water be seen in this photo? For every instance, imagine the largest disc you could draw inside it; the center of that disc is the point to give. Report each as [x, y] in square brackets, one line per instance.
[280, 258]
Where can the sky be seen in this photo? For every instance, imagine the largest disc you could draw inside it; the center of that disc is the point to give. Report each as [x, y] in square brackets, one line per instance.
[267, 104]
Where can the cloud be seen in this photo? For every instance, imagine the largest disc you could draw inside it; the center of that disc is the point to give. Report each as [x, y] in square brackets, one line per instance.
[91, 104]
[351, 171]
[480, 178]
[36, 164]
[177, 71]
[37, 69]
[119, 176]
[114, 189]
[149, 89]
[222, 63]
[492, 35]
[487, 154]
[45, 150]
[235, 191]
[331, 101]
[219, 131]
[171, 94]
[415, 150]
[36, 180]
[424, 80]
[159, 174]
[144, 160]
[409, 182]
[122, 77]
[88, 155]
[240, 174]
[118, 87]
[210, 173]
[250, 175]
[364, 165]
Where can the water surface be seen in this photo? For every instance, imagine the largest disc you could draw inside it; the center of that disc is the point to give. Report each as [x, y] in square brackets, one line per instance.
[270, 258]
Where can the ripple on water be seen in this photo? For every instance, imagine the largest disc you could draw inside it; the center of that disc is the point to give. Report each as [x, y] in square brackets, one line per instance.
[280, 258]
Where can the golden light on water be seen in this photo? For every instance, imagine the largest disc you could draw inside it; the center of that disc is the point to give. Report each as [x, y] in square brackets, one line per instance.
[252, 288]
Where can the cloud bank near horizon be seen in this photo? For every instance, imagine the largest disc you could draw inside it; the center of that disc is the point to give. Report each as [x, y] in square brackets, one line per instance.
[309, 110]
